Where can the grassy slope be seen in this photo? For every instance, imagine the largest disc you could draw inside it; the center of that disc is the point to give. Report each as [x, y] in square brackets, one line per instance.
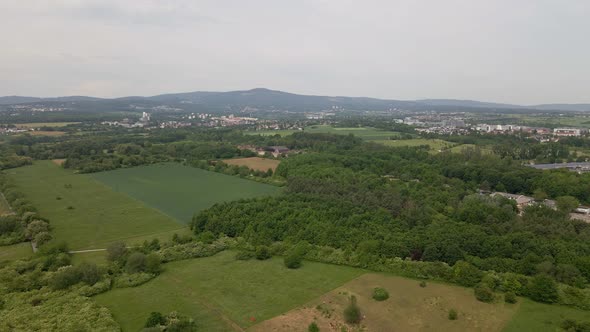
[16, 251]
[435, 144]
[180, 191]
[210, 289]
[538, 317]
[364, 133]
[100, 215]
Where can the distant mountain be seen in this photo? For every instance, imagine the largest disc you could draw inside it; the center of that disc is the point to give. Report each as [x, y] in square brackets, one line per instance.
[265, 99]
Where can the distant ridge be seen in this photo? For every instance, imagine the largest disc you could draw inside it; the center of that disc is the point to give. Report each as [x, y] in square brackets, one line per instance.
[262, 98]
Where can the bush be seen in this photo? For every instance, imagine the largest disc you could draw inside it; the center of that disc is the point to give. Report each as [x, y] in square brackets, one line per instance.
[510, 297]
[483, 293]
[244, 255]
[313, 327]
[153, 263]
[65, 277]
[262, 253]
[206, 237]
[453, 314]
[293, 260]
[380, 294]
[155, 319]
[89, 273]
[422, 284]
[352, 313]
[132, 280]
[571, 325]
[42, 238]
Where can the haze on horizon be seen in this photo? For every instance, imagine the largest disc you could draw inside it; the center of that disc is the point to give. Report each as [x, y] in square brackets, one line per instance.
[524, 52]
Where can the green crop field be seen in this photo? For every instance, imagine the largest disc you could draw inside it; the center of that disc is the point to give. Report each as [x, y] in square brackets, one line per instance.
[220, 292]
[363, 132]
[435, 144]
[84, 212]
[180, 191]
[539, 317]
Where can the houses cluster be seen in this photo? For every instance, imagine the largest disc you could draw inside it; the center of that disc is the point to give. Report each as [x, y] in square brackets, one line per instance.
[512, 128]
[274, 150]
[232, 120]
[143, 121]
[522, 201]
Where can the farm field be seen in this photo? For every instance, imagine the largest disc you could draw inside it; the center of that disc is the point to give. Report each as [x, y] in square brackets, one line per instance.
[256, 163]
[16, 251]
[180, 191]
[84, 212]
[363, 132]
[539, 317]
[409, 308]
[435, 144]
[44, 124]
[223, 293]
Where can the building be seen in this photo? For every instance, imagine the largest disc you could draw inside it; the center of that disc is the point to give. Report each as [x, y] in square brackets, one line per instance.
[274, 150]
[566, 132]
[522, 201]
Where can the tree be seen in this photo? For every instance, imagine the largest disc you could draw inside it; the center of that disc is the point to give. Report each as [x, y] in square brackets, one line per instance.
[567, 204]
[89, 273]
[510, 297]
[543, 288]
[313, 327]
[466, 274]
[136, 263]
[152, 263]
[352, 312]
[116, 252]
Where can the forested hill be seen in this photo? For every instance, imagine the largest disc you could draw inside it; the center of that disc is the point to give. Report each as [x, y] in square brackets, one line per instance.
[266, 99]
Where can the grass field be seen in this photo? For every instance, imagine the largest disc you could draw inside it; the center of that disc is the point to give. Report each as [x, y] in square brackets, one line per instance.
[180, 191]
[98, 215]
[409, 308]
[16, 251]
[46, 133]
[363, 132]
[44, 124]
[222, 293]
[256, 163]
[539, 317]
[435, 144]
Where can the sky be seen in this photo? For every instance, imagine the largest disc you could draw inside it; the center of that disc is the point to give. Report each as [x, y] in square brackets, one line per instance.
[512, 51]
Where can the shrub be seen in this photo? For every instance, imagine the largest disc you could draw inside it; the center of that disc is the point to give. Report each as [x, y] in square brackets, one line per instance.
[65, 277]
[155, 319]
[483, 293]
[293, 260]
[244, 255]
[313, 327]
[206, 237]
[510, 297]
[422, 283]
[352, 313]
[89, 273]
[453, 314]
[42, 238]
[380, 294]
[132, 280]
[153, 263]
[262, 253]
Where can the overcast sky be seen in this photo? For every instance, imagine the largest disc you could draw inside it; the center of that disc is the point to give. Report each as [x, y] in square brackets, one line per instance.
[515, 51]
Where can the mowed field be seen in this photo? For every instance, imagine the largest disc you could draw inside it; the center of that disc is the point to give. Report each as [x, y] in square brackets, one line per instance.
[180, 191]
[84, 212]
[16, 251]
[44, 124]
[363, 132]
[435, 144]
[256, 163]
[225, 294]
[409, 308]
[539, 317]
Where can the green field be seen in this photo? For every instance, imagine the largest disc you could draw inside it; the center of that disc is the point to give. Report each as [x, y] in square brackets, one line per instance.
[44, 124]
[180, 191]
[221, 292]
[363, 132]
[539, 317]
[16, 251]
[98, 215]
[4, 206]
[435, 144]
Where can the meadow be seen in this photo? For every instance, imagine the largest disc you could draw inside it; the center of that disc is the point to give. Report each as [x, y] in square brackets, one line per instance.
[180, 191]
[436, 145]
[84, 212]
[409, 308]
[4, 206]
[224, 294]
[16, 251]
[539, 317]
[365, 133]
[44, 124]
[255, 163]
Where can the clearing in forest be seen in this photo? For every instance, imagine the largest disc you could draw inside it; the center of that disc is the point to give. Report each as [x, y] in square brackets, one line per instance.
[255, 163]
